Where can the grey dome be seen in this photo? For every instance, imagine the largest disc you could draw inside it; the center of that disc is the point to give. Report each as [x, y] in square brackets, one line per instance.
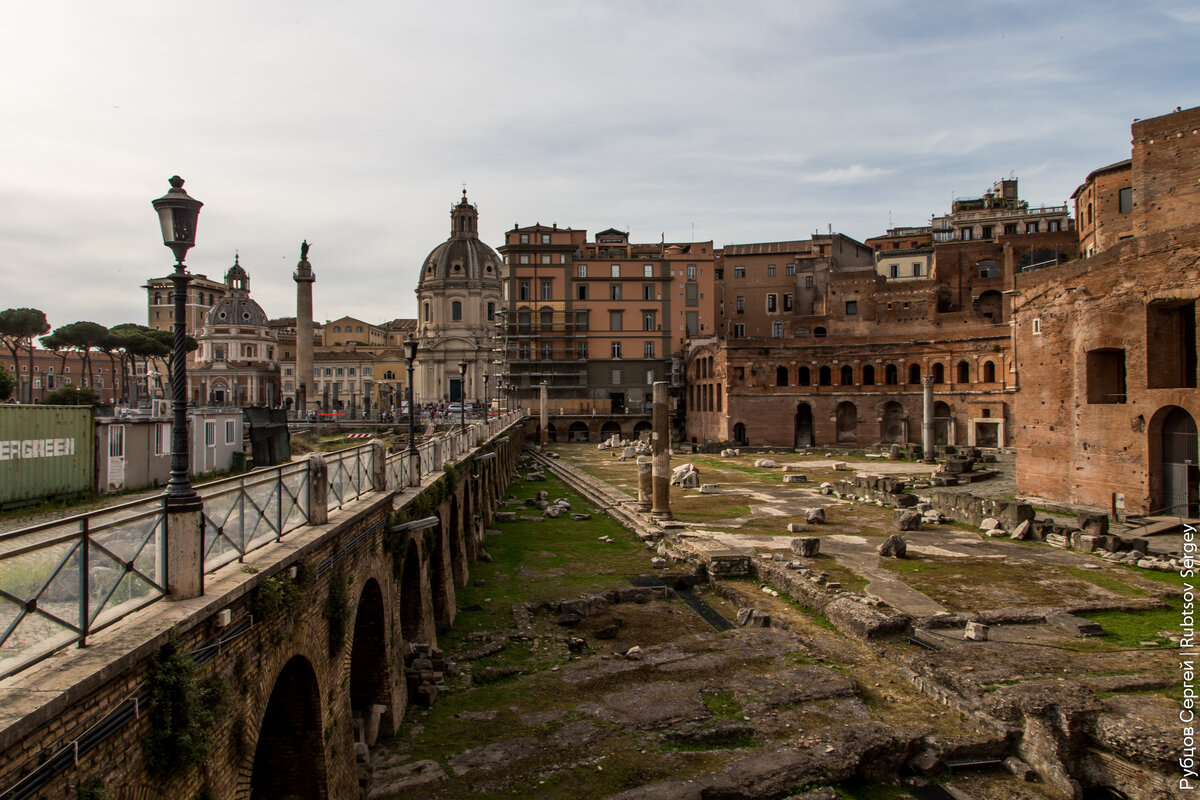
[236, 307]
[463, 256]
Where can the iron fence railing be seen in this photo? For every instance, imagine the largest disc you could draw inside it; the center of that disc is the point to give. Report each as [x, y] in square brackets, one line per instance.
[62, 581]
[242, 514]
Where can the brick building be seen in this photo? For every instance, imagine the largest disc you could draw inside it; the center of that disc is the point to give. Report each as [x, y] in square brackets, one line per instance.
[600, 321]
[903, 254]
[53, 371]
[1107, 346]
[1104, 207]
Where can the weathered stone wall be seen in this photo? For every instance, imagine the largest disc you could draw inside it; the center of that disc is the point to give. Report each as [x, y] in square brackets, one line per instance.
[339, 575]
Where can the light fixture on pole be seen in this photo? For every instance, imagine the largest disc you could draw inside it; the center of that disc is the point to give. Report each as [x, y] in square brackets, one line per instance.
[462, 394]
[487, 404]
[177, 214]
[410, 354]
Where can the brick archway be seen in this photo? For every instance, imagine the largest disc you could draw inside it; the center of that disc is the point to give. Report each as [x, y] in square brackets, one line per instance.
[289, 758]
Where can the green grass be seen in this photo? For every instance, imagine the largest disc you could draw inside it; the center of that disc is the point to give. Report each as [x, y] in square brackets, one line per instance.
[723, 705]
[1131, 628]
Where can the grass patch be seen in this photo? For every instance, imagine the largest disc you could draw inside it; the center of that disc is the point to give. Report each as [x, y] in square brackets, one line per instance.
[723, 705]
[1131, 628]
[1107, 579]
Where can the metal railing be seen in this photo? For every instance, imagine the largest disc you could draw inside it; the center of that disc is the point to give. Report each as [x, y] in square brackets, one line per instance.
[62, 581]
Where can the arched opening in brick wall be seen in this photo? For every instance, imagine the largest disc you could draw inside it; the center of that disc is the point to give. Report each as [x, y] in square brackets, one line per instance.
[868, 375]
[914, 373]
[943, 424]
[939, 373]
[991, 305]
[641, 427]
[804, 425]
[454, 540]
[439, 578]
[847, 422]
[289, 759]
[825, 376]
[551, 432]
[1173, 462]
[578, 432]
[964, 373]
[891, 375]
[412, 609]
[804, 377]
[781, 376]
[847, 375]
[739, 434]
[989, 372]
[891, 427]
[369, 684]
[609, 429]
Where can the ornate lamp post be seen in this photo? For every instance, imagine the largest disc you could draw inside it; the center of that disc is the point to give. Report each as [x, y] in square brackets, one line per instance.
[487, 404]
[462, 395]
[177, 213]
[410, 353]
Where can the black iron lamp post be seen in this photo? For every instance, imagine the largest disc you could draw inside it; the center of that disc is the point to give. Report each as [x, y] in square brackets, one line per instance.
[487, 399]
[410, 353]
[177, 213]
[462, 394]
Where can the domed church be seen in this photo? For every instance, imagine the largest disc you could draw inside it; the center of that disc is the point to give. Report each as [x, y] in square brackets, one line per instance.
[236, 364]
[458, 303]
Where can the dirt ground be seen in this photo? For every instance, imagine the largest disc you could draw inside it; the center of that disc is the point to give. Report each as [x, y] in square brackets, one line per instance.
[648, 694]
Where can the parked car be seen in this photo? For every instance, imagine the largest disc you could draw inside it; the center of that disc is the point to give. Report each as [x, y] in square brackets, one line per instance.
[458, 408]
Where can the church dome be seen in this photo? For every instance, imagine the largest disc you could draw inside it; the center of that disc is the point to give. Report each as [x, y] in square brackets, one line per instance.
[463, 256]
[236, 307]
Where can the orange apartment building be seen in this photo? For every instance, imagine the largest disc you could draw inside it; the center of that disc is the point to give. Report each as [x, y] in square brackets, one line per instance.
[600, 321]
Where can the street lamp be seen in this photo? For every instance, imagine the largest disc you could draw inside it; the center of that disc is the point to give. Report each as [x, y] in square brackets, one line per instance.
[462, 394]
[177, 213]
[487, 404]
[410, 353]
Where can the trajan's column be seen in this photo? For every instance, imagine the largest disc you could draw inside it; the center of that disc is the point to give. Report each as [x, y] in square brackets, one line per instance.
[304, 278]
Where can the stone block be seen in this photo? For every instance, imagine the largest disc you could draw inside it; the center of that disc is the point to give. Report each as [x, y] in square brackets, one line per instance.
[806, 546]
[504, 516]
[1072, 624]
[1094, 523]
[796, 527]
[793, 467]
[906, 520]
[710, 488]
[976, 632]
[1023, 531]
[989, 523]
[894, 546]
[814, 515]
[795, 479]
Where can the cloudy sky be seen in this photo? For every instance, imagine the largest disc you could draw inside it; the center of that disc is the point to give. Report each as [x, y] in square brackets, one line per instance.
[355, 125]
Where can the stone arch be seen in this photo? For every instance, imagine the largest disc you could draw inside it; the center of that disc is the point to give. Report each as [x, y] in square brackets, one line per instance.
[891, 375]
[289, 757]
[551, 432]
[868, 375]
[804, 425]
[641, 426]
[943, 424]
[578, 432]
[475, 503]
[739, 434]
[847, 376]
[781, 376]
[1173, 462]
[939, 373]
[989, 372]
[369, 676]
[846, 416]
[991, 305]
[914, 373]
[803, 377]
[964, 372]
[891, 426]
[610, 428]
[413, 626]
[825, 376]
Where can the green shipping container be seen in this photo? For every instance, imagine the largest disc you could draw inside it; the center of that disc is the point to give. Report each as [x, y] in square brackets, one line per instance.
[45, 452]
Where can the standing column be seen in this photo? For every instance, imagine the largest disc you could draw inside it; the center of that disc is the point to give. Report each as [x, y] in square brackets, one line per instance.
[304, 278]
[662, 455]
[645, 470]
[927, 420]
[545, 415]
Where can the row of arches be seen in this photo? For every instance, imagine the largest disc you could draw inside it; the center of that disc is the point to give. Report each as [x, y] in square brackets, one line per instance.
[867, 375]
[895, 425]
[415, 596]
[580, 431]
